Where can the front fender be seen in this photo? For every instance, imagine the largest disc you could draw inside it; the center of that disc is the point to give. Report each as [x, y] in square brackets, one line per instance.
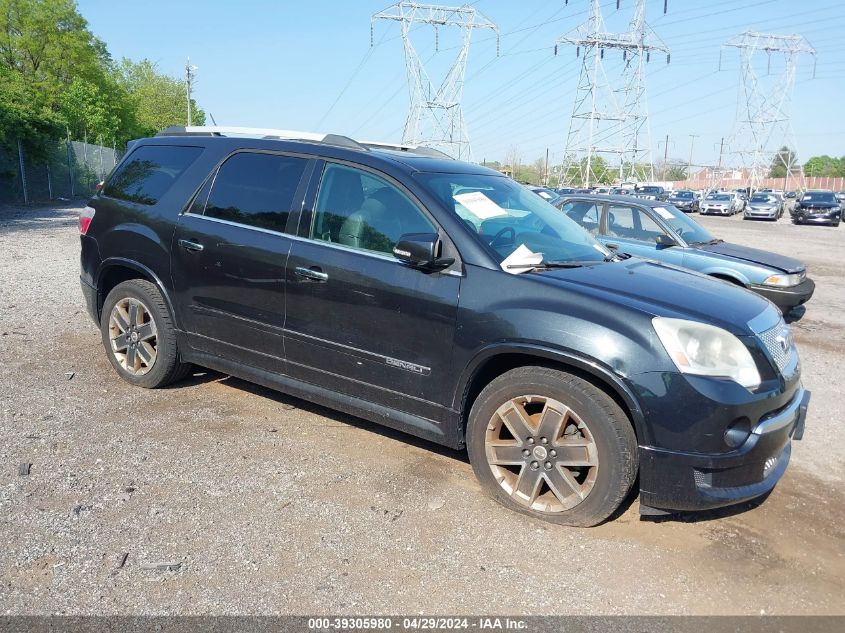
[722, 271]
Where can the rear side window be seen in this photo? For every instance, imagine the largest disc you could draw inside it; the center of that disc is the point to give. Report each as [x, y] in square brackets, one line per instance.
[584, 213]
[149, 172]
[256, 190]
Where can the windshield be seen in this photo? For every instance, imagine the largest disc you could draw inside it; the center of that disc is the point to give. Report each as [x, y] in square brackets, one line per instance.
[651, 189]
[818, 196]
[763, 198]
[720, 197]
[690, 230]
[684, 195]
[505, 215]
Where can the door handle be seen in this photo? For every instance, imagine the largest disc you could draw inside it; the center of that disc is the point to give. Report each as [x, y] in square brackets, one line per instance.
[612, 246]
[192, 246]
[313, 273]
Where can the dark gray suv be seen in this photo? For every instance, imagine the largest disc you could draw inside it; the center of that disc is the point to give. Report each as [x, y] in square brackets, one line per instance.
[443, 299]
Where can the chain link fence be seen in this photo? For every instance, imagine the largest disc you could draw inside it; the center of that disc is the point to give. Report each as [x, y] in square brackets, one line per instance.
[63, 170]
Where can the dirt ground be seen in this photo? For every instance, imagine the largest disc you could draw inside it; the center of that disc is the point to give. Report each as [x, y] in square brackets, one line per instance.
[216, 496]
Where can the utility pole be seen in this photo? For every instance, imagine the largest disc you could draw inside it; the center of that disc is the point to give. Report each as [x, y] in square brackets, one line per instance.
[190, 77]
[692, 138]
[435, 117]
[763, 119]
[665, 156]
[546, 176]
[609, 117]
[717, 175]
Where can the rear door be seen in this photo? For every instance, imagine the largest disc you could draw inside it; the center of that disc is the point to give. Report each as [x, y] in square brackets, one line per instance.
[229, 254]
[359, 321]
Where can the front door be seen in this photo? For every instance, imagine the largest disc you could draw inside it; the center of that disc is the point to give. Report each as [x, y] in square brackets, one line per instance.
[359, 321]
[229, 254]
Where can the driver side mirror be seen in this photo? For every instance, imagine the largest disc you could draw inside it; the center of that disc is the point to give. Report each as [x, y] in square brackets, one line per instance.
[421, 250]
[665, 240]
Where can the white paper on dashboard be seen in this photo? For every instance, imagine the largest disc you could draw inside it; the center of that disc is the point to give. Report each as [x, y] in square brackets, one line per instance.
[663, 213]
[480, 205]
[521, 260]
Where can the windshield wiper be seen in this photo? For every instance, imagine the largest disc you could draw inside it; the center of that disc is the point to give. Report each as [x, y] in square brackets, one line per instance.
[560, 264]
[715, 240]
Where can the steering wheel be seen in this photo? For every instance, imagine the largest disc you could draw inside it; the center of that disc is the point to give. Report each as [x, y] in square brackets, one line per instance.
[494, 242]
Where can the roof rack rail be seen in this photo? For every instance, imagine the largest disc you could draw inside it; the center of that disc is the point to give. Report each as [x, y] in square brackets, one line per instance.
[411, 149]
[258, 132]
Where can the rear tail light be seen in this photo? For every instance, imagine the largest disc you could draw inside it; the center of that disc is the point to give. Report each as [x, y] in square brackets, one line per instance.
[85, 217]
[99, 186]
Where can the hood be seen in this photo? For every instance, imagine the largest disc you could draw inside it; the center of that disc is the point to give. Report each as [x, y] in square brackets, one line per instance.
[716, 203]
[662, 290]
[754, 255]
[681, 200]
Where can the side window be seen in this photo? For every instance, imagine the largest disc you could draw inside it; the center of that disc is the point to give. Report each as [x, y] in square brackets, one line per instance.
[255, 189]
[149, 172]
[586, 214]
[630, 223]
[356, 208]
[198, 204]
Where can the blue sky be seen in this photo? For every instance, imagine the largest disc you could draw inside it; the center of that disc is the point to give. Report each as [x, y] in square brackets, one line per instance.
[309, 66]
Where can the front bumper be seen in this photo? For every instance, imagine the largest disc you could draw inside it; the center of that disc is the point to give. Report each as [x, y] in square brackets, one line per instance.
[787, 298]
[821, 218]
[763, 214]
[679, 481]
[715, 210]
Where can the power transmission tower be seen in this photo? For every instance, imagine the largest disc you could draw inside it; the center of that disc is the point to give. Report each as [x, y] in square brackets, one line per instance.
[435, 117]
[610, 114]
[763, 120]
[190, 78]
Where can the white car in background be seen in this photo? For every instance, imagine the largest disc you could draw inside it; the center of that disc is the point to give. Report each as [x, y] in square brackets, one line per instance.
[721, 203]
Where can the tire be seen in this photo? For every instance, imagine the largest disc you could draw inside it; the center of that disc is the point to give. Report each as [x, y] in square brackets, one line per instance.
[144, 352]
[598, 433]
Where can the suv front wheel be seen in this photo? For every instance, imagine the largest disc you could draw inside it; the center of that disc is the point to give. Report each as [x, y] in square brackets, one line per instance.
[553, 446]
[139, 336]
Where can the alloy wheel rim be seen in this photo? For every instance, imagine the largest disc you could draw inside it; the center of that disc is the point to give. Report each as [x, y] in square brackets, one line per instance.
[133, 336]
[541, 453]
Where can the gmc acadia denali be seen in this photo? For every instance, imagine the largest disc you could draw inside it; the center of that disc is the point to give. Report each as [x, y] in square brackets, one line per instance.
[443, 299]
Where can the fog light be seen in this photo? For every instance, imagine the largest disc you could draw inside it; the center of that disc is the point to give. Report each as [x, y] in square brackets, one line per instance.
[769, 465]
[737, 432]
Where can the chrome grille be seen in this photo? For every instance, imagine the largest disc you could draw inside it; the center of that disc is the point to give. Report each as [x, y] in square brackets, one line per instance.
[778, 342]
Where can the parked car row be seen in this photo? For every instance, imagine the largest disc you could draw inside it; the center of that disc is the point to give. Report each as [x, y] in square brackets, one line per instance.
[445, 300]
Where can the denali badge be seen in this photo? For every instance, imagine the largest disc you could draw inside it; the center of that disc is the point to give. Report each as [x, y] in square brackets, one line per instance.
[784, 339]
[401, 364]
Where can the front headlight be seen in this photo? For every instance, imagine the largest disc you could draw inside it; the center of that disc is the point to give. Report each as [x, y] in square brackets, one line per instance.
[783, 281]
[706, 350]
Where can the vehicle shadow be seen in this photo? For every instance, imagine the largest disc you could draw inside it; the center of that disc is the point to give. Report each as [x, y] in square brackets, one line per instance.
[702, 516]
[796, 314]
[201, 376]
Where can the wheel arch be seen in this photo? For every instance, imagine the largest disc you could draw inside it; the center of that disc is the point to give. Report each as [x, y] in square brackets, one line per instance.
[498, 359]
[730, 276]
[116, 270]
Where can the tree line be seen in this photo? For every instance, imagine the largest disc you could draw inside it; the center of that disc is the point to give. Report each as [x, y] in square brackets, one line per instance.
[58, 80]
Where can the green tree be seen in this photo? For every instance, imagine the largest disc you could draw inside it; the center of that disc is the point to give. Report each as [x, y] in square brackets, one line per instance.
[157, 100]
[825, 166]
[784, 158]
[24, 114]
[49, 44]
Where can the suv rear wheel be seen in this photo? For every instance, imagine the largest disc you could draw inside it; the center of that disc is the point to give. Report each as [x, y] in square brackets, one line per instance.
[553, 446]
[139, 337]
